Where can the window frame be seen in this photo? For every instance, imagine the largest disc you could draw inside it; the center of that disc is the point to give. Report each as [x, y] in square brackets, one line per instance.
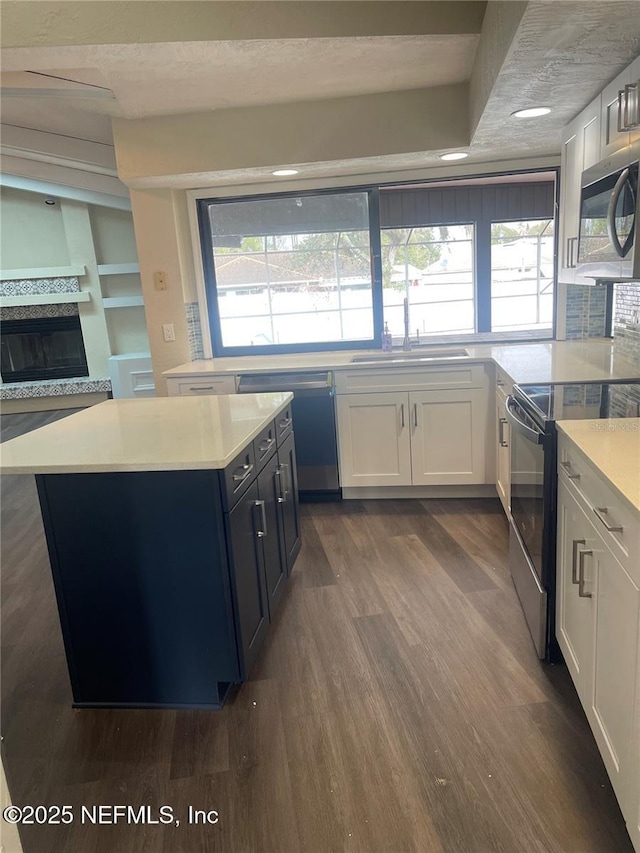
[211, 291]
[198, 200]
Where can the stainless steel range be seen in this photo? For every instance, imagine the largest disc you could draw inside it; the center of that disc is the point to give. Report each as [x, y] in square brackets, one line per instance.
[532, 411]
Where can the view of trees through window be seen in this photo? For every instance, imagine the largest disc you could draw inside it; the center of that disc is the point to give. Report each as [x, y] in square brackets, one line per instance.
[434, 268]
[522, 270]
[287, 271]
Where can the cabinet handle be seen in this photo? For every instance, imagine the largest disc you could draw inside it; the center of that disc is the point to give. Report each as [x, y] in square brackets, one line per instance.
[201, 388]
[571, 241]
[567, 468]
[621, 110]
[239, 478]
[600, 512]
[402, 415]
[261, 533]
[501, 423]
[266, 445]
[282, 494]
[415, 414]
[581, 591]
[574, 559]
[284, 423]
[499, 383]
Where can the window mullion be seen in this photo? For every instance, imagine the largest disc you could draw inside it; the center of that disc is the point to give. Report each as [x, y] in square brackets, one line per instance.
[483, 275]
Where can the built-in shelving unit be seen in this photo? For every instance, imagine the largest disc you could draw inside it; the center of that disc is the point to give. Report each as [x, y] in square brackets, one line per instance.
[122, 301]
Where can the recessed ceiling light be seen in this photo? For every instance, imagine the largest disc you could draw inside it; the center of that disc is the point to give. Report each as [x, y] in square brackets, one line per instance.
[531, 112]
[456, 155]
[281, 173]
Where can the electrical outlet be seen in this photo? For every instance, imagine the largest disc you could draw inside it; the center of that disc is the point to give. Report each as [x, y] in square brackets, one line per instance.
[168, 332]
[160, 281]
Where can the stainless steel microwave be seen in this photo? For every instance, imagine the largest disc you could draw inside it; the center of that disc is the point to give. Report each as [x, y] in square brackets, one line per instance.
[610, 218]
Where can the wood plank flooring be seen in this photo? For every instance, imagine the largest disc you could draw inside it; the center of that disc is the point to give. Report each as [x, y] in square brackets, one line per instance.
[398, 705]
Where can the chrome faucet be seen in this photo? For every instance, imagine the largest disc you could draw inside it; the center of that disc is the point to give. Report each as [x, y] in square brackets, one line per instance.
[406, 343]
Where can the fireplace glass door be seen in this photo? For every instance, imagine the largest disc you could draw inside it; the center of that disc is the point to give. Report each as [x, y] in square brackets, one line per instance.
[43, 348]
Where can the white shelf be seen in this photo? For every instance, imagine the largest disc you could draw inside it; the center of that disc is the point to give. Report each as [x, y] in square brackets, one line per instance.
[43, 272]
[122, 301]
[44, 299]
[118, 269]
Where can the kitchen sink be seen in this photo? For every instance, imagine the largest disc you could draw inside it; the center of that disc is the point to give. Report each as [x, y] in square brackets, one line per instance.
[411, 356]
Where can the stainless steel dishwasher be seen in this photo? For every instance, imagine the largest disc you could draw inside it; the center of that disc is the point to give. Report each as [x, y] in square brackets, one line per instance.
[314, 427]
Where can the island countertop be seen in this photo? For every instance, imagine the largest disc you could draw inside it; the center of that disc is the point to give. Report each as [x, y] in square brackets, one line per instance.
[154, 434]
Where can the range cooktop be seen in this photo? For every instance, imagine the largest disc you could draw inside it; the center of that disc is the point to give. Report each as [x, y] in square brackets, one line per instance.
[559, 401]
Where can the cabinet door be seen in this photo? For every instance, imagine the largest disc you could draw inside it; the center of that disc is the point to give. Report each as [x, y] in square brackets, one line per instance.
[287, 500]
[615, 669]
[612, 137]
[575, 613]
[448, 434]
[248, 578]
[268, 519]
[374, 440]
[580, 149]
[503, 454]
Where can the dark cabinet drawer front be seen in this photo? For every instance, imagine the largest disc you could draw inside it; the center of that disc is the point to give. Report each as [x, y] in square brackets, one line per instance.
[238, 475]
[264, 446]
[284, 424]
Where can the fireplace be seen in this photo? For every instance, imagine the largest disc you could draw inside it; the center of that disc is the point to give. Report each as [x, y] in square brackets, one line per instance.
[42, 348]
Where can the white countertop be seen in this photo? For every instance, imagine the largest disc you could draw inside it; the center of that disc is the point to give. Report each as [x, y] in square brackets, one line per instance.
[613, 446]
[153, 434]
[552, 361]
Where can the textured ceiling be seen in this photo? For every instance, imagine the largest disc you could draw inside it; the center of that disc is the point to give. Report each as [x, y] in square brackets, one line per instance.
[173, 58]
[170, 78]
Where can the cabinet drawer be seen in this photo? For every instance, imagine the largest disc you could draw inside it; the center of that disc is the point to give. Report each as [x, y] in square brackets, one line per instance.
[407, 379]
[202, 385]
[238, 476]
[284, 424]
[604, 506]
[264, 446]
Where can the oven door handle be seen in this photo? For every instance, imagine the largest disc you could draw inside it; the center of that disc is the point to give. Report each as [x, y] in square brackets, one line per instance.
[530, 434]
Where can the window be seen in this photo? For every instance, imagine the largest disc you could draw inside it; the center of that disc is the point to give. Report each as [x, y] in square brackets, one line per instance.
[290, 272]
[434, 269]
[522, 270]
[325, 270]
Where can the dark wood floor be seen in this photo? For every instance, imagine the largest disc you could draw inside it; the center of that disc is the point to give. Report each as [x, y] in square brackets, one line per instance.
[398, 705]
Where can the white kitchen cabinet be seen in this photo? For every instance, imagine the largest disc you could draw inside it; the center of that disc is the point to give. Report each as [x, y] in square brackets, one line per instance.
[598, 618]
[374, 439]
[198, 384]
[503, 452]
[612, 136]
[580, 149]
[448, 435]
[574, 611]
[412, 438]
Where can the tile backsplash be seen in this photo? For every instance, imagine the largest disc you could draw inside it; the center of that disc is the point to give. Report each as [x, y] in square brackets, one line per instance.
[585, 311]
[626, 320]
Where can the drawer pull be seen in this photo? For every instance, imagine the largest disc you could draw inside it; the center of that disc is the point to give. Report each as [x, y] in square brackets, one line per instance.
[266, 445]
[201, 388]
[285, 423]
[262, 532]
[402, 415]
[574, 560]
[581, 591]
[601, 512]
[247, 469]
[567, 468]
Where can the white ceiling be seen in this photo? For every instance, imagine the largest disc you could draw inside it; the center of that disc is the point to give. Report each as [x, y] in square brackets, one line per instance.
[170, 58]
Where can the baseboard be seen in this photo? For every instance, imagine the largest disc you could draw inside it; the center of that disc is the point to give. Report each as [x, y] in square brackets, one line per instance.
[483, 490]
